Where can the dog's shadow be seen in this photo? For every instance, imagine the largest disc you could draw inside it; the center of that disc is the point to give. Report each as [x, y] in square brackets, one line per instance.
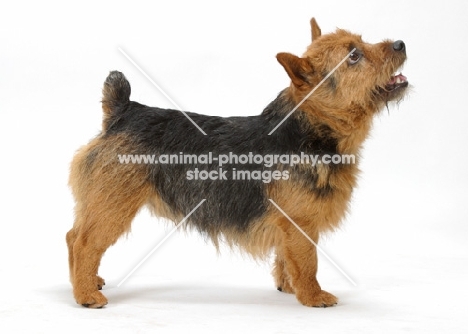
[183, 293]
[154, 294]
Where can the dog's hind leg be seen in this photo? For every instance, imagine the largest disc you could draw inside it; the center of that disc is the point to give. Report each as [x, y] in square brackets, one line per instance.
[108, 196]
[106, 219]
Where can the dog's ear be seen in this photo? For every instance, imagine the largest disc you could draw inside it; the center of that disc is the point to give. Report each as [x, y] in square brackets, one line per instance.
[297, 68]
[316, 31]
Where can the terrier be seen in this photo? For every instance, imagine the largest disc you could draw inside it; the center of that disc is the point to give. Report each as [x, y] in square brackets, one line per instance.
[333, 107]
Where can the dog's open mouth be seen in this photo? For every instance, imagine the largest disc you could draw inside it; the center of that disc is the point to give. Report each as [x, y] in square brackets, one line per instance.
[393, 87]
[396, 81]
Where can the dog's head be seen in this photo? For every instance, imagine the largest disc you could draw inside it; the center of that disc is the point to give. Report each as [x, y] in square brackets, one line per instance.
[345, 73]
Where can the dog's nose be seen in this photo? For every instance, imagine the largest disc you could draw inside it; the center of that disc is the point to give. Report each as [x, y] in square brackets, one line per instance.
[399, 46]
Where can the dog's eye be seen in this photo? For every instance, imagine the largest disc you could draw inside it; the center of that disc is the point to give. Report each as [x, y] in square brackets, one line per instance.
[354, 58]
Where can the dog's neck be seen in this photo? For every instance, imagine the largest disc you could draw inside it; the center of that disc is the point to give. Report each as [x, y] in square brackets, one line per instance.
[350, 132]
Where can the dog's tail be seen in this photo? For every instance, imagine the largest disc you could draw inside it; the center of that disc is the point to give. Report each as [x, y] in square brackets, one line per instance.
[115, 96]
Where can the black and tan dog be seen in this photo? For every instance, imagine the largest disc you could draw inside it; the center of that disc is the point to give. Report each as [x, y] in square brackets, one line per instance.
[334, 120]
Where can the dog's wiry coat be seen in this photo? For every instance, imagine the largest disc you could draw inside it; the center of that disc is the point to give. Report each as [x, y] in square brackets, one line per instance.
[334, 120]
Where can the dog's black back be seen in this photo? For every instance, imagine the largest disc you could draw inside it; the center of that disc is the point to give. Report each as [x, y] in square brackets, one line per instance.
[232, 204]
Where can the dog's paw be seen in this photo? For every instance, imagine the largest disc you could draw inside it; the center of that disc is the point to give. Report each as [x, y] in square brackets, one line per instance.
[94, 299]
[285, 287]
[100, 282]
[320, 299]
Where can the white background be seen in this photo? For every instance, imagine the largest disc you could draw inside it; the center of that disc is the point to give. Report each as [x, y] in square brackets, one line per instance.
[404, 242]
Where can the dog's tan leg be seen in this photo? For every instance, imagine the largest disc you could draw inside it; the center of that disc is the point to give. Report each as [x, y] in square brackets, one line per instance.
[71, 238]
[282, 278]
[87, 252]
[108, 196]
[107, 218]
[300, 257]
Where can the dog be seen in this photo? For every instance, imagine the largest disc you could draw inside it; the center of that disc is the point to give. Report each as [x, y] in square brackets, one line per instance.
[261, 205]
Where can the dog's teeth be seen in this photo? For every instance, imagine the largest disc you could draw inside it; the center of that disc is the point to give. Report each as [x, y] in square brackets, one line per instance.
[398, 80]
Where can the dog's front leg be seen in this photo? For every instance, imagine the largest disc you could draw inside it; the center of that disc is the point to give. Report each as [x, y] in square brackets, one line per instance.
[300, 259]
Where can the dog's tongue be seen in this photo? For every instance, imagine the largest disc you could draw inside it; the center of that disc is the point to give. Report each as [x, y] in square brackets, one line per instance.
[397, 79]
